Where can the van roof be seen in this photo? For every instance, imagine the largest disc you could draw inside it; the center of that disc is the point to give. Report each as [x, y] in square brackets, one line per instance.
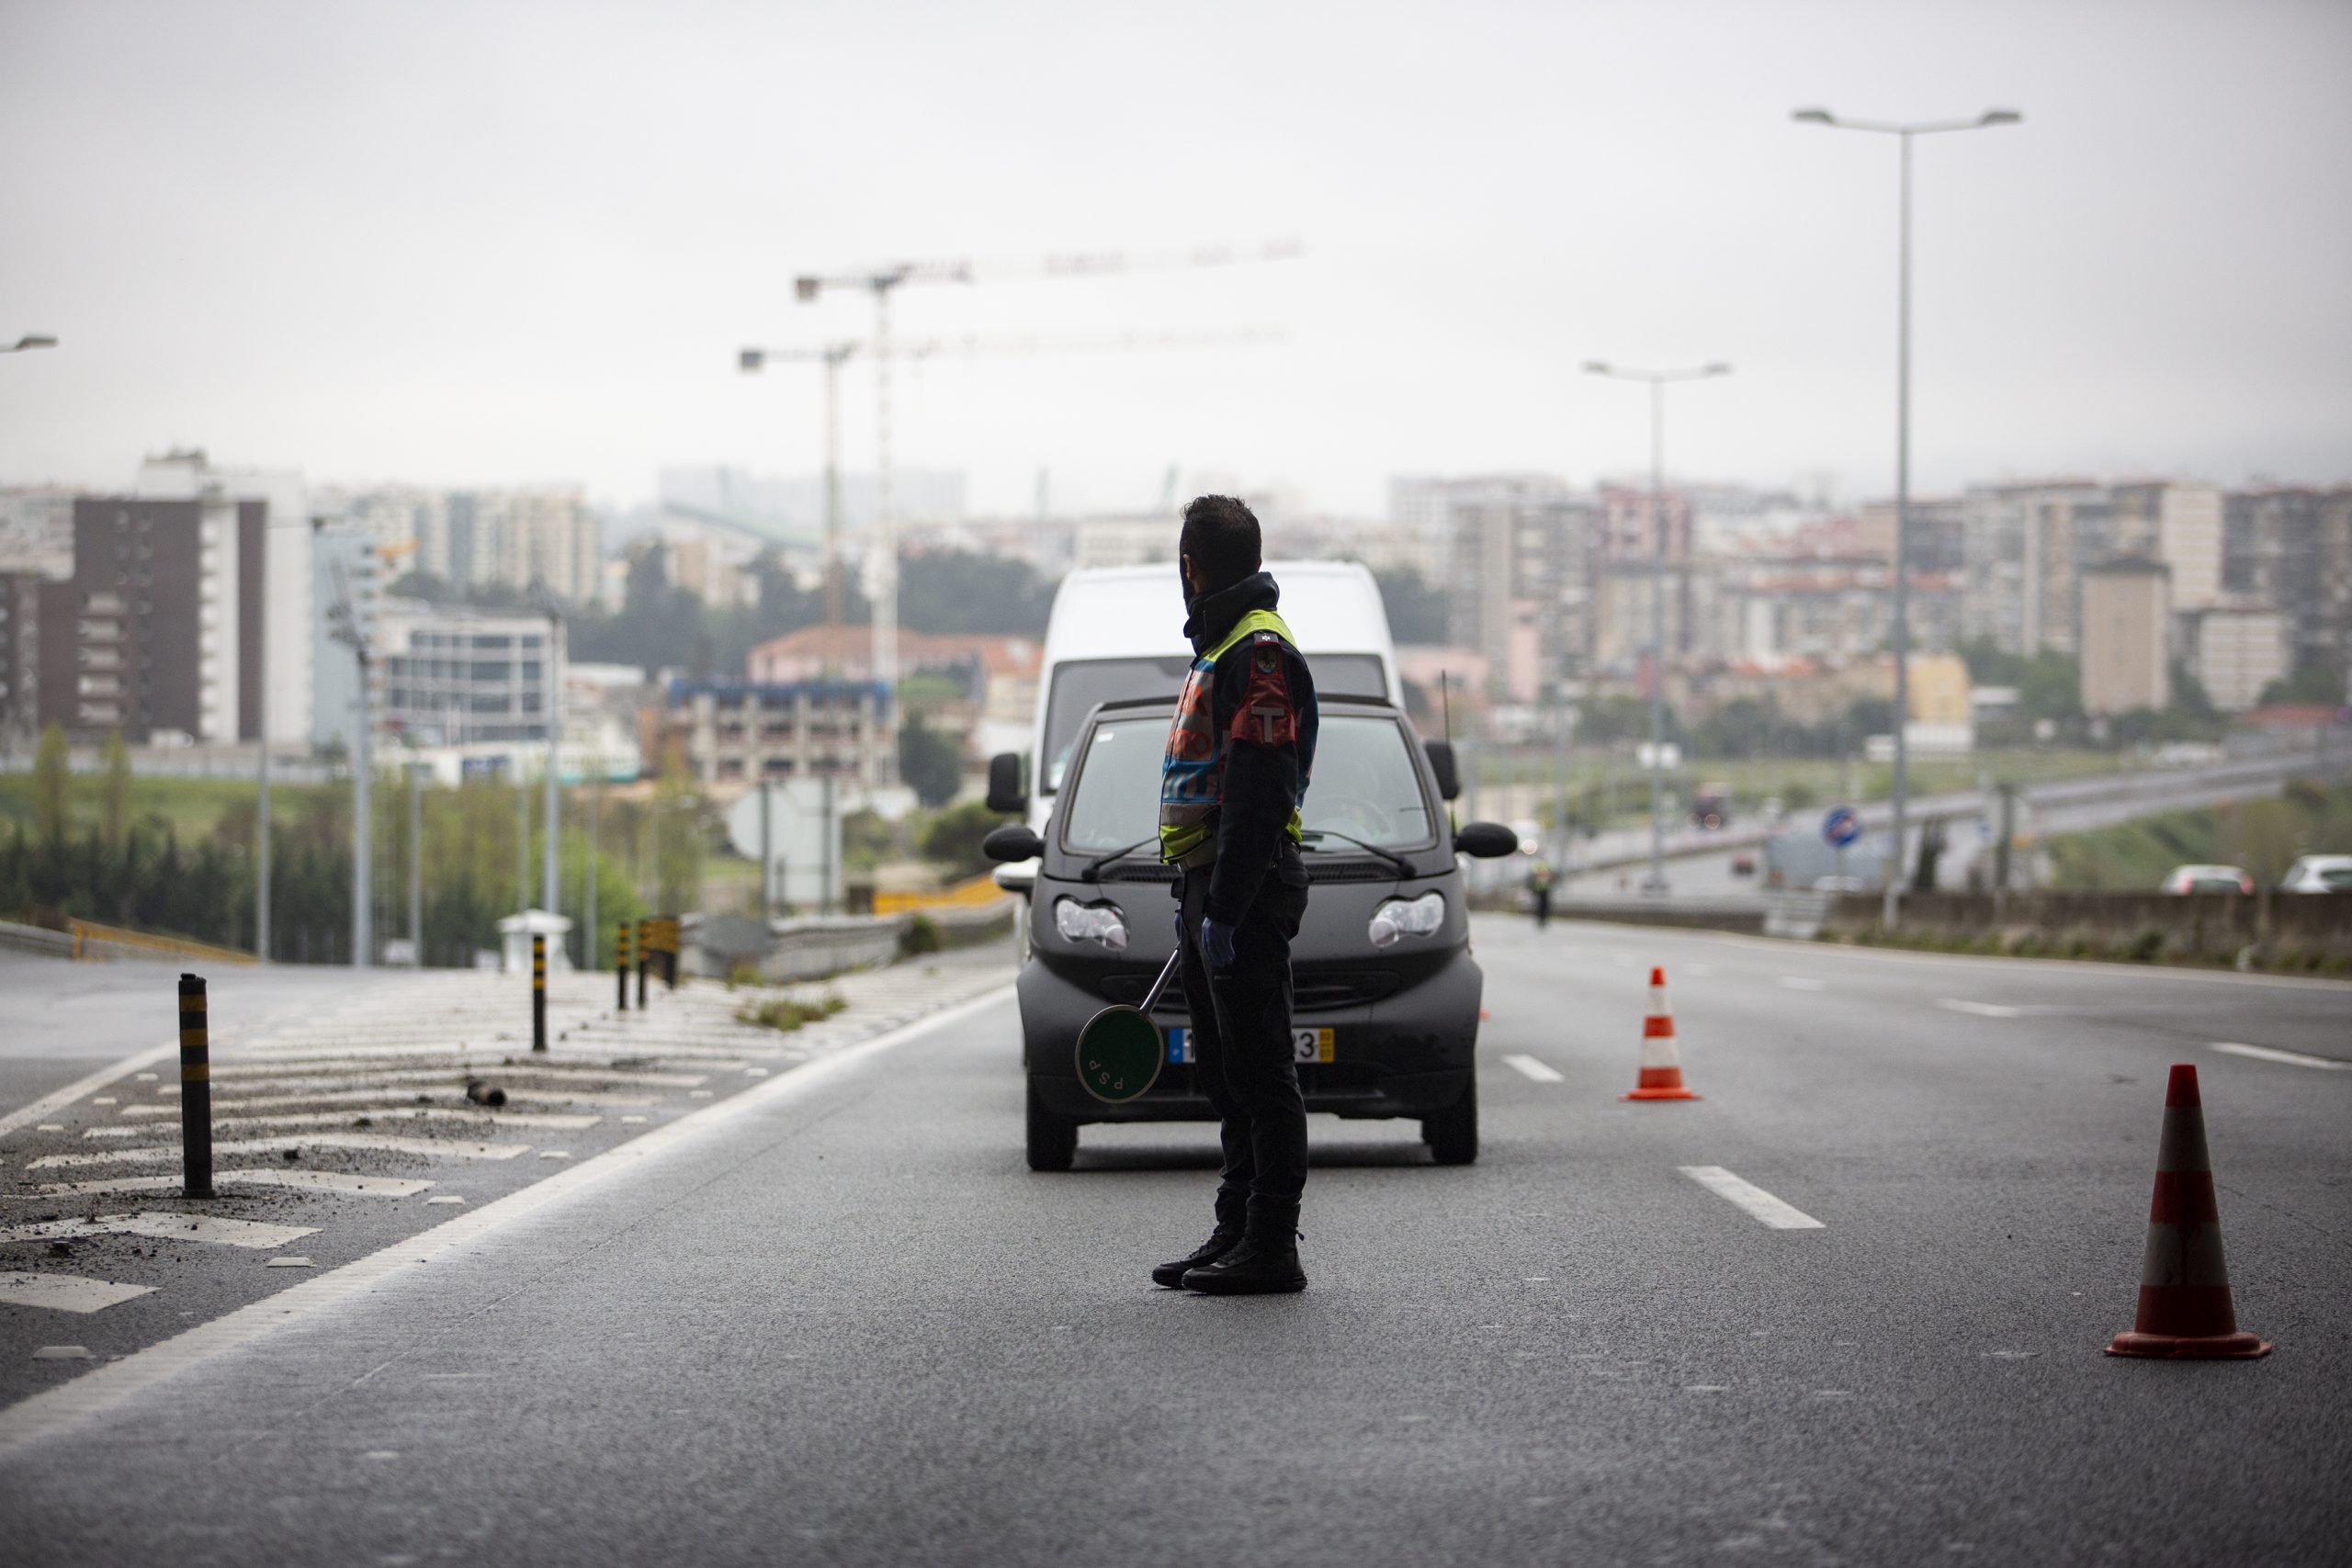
[1125, 612]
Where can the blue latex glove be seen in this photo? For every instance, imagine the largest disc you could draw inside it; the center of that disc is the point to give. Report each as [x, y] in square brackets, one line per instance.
[1216, 943]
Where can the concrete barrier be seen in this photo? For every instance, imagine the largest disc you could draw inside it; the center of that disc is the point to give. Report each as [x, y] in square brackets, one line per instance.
[2294, 928]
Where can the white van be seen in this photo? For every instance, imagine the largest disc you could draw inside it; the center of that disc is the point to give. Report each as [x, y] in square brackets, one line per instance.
[1118, 633]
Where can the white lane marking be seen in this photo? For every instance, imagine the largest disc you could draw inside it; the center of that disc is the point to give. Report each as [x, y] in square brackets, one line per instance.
[63, 1353]
[333, 1070]
[64, 1292]
[165, 1154]
[308, 1180]
[289, 1263]
[73, 1092]
[1799, 983]
[2289, 1058]
[114, 1383]
[164, 1227]
[1754, 1200]
[1535, 1069]
[1980, 1009]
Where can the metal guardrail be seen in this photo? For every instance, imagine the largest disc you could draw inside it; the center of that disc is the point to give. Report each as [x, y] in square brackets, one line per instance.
[92, 941]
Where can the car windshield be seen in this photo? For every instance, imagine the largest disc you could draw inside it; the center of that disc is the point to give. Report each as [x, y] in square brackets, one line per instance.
[1081, 683]
[1365, 785]
[2336, 879]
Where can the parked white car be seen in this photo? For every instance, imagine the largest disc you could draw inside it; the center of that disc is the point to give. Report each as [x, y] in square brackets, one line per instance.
[2318, 874]
[2205, 879]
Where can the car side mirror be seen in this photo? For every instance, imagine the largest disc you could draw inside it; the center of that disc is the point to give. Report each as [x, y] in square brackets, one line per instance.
[1485, 841]
[1441, 754]
[1005, 792]
[1014, 842]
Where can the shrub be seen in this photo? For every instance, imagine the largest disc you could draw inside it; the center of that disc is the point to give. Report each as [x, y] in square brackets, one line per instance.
[787, 1013]
[920, 936]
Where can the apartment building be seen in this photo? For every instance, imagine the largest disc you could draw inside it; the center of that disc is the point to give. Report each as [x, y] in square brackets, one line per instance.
[733, 734]
[2024, 546]
[2179, 522]
[159, 631]
[2234, 650]
[1519, 588]
[2289, 548]
[449, 675]
[2126, 631]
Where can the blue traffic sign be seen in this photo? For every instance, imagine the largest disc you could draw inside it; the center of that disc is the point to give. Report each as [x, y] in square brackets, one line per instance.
[1841, 826]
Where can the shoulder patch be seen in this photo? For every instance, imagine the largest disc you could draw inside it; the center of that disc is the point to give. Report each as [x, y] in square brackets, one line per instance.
[1267, 657]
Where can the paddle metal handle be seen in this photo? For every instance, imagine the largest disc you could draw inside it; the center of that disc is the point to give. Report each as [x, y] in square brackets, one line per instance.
[1167, 973]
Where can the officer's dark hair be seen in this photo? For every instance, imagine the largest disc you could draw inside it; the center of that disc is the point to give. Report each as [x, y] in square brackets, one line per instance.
[1221, 536]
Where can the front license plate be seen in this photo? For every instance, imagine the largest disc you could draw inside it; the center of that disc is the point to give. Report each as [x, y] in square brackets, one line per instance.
[1305, 1045]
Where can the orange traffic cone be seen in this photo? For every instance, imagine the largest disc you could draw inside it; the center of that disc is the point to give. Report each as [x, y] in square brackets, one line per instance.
[1661, 1063]
[2185, 1309]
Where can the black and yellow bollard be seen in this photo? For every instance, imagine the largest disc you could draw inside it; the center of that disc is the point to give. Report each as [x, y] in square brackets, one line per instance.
[538, 993]
[196, 1090]
[620, 961]
[644, 958]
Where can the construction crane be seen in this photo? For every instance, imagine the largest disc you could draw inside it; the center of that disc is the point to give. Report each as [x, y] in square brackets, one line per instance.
[833, 356]
[884, 281]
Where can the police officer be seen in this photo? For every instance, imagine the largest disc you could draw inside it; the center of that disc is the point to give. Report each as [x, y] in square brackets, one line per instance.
[1539, 883]
[1238, 753]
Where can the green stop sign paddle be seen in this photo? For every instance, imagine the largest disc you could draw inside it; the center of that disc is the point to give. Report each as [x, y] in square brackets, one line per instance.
[1119, 1051]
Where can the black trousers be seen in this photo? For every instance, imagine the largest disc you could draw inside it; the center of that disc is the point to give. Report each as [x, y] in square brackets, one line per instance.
[1242, 1055]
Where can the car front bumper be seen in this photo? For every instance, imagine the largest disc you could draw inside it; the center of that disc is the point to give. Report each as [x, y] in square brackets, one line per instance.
[1407, 1053]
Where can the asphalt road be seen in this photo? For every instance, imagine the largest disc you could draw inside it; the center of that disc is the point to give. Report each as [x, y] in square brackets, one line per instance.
[835, 1320]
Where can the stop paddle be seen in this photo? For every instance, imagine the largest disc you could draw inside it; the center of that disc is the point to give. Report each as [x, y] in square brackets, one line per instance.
[1119, 1051]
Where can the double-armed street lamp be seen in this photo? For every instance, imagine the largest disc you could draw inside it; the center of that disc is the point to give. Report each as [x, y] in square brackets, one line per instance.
[1657, 381]
[1901, 634]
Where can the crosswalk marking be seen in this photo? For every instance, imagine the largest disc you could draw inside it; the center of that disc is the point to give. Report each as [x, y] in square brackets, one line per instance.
[386, 1142]
[308, 1180]
[1753, 1200]
[1535, 1069]
[64, 1292]
[164, 1227]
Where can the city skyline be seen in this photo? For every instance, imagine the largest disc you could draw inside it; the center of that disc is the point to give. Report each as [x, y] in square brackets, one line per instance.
[543, 241]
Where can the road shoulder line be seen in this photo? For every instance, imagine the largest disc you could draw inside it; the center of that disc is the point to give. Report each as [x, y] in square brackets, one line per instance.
[96, 1392]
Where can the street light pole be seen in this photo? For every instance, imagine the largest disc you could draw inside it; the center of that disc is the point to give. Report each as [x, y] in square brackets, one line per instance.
[551, 686]
[1658, 381]
[1900, 634]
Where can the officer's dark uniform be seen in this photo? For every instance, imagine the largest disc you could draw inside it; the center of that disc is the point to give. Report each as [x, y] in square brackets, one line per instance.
[1238, 754]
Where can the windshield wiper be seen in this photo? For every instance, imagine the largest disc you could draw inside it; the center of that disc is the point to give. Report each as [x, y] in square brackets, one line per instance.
[1092, 870]
[1404, 867]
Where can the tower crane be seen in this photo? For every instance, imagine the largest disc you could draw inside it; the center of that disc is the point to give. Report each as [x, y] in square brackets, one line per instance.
[834, 354]
[886, 280]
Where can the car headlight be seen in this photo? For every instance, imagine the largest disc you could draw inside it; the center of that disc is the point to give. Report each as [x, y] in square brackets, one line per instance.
[1406, 917]
[1091, 922]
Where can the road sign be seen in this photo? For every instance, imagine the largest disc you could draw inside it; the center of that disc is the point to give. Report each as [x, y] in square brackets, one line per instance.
[1841, 826]
[802, 836]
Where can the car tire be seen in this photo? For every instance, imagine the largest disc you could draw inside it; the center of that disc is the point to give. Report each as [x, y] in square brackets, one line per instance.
[1453, 1133]
[1053, 1140]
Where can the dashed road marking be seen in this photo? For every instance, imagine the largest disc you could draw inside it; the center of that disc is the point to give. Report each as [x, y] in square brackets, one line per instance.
[1800, 983]
[1754, 1200]
[1531, 1068]
[2286, 1058]
[64, 1292]
[251, 1234]
[1978, 1009]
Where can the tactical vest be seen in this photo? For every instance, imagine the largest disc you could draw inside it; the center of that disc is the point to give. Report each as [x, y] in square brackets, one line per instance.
[1192, 770]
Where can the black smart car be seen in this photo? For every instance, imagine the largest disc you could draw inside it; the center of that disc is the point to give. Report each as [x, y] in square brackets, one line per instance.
[1386, 1013]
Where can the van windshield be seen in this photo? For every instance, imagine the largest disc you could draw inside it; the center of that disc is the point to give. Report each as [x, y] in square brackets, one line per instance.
[1081, 683]
[1365, 785]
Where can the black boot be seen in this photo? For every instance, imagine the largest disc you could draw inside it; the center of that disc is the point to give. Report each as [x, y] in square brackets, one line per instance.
[1231, 1216]
[1265, 1263]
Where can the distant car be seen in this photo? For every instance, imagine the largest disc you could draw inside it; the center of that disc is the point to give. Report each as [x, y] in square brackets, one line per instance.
[1743, 865]
[2318, 874]
[2205, 879]
[1711, 805]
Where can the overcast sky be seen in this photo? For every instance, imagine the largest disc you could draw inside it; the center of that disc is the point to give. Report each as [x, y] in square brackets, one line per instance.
[496, 243]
